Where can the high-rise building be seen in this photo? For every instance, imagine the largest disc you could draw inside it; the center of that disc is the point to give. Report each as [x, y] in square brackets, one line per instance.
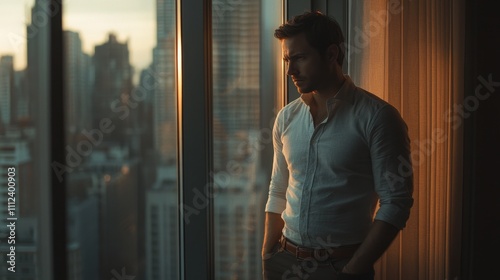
[162, 237]
[21, 98]
[165, 20]
[238, 218]
[77, 83]
[83, 225]
[112, 89]
[164, 102]
[118, 193]
[164, 82]
[236, 73]
[7, 91]
[38, 65]
[161, 204]
[145, 109]
[38, 98]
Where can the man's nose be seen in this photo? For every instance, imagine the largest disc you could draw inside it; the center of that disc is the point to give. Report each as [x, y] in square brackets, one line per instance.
[291, 69]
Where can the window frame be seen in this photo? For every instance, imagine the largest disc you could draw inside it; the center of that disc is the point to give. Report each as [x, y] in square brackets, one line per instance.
[56, 238]
[194, 124]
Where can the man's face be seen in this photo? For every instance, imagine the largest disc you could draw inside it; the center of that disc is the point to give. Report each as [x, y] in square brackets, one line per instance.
[308, 69]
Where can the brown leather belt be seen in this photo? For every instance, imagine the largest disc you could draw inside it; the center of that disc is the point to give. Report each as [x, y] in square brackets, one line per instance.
[322, 254]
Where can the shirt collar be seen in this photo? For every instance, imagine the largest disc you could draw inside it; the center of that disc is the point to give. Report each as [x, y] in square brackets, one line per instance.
[346, 91]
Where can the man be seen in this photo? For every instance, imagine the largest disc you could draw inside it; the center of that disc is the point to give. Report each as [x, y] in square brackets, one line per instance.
[338, 149]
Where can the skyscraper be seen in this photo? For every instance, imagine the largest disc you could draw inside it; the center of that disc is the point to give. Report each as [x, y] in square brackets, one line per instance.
[112, 88]
[236, 77]
[7, 91]
[21, 98]
[165, 20]
[162, 236]
[78, 84]
[164, 82]
[117, 191]
[164, 117]
[38, 94]
[38, 49]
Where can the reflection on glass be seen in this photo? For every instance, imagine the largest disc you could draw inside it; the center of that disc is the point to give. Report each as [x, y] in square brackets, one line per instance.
[236, 144]
[121, 139]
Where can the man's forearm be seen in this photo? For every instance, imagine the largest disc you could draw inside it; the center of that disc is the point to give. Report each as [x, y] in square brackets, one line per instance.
[375, 244]
[272, 231]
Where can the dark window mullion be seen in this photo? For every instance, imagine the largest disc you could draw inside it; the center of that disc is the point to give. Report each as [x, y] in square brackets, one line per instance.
[195, 141]
[57, 143]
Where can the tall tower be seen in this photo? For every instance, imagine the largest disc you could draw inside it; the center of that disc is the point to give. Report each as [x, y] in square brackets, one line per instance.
[38, 64]
[162, 234]
[164, 91]
[112, 88]
[236, 77]
[7, 91]
[115, 177]
[77, 83]
[38, 97]
[21, 98]
[165, 20]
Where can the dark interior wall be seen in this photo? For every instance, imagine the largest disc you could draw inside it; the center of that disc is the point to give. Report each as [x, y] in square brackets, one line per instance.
[481, 216]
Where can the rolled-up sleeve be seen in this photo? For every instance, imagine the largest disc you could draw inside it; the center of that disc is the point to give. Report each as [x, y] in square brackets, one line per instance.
[392, 168]
[276, 201]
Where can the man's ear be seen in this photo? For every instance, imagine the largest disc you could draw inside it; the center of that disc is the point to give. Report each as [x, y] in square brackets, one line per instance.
[332, 52]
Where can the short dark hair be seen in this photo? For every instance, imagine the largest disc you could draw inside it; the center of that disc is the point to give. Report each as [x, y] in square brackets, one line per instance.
[321, 31]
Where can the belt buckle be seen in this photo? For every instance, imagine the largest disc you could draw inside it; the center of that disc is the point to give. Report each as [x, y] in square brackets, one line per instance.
[299, 248]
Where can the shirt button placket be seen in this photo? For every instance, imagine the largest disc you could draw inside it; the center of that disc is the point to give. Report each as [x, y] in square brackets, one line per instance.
[306, 192]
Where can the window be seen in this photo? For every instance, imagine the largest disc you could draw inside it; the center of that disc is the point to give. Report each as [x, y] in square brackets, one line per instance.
[121, 122]
[242, 43]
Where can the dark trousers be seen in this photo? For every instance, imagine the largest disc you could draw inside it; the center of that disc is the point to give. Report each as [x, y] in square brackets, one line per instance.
[282, 265]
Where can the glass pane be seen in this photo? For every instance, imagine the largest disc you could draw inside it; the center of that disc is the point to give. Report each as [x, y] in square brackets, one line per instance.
[121, 139]
[24, 141]
[241, 133]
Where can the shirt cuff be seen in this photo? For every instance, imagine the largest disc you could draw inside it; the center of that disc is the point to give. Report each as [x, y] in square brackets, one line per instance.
[393, 215]
[275, 204]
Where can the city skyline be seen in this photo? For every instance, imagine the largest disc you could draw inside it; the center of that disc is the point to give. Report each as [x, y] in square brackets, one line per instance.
[137, 26]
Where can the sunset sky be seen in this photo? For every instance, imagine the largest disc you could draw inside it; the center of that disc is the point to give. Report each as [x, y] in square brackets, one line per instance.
[93, 19]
